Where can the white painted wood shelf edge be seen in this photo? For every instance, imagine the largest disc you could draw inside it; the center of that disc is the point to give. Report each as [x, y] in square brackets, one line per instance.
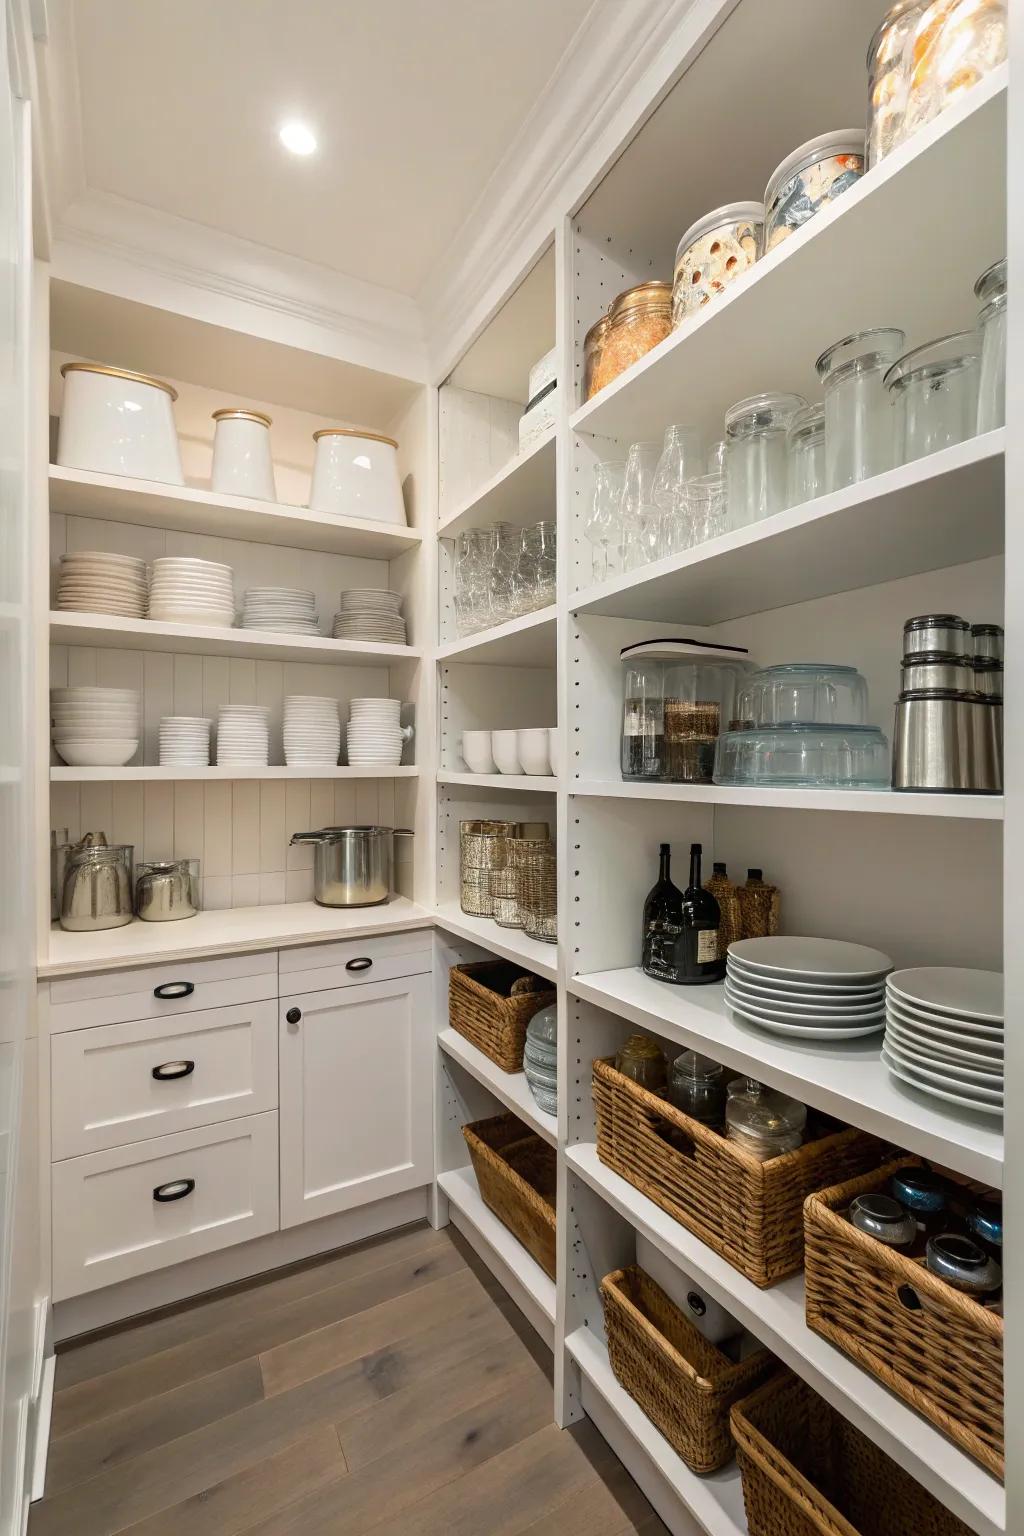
[519, 1273]
[510, 1087]
[510, 943]
[526, 641]
[539, 783]
[878, 802]
[68, 775]
[105, 631]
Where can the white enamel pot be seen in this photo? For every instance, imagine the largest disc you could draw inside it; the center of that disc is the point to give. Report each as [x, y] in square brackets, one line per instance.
[118, 423]
[242, 462]
[355, 474]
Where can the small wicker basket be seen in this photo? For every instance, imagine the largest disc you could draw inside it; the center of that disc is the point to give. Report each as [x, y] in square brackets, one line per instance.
[490, 1003]
[516, 1171]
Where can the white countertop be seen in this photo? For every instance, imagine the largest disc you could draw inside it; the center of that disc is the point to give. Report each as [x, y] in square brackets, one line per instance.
[231, 931]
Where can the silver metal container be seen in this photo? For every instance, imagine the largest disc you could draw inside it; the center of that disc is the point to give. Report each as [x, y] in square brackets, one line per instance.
[936, 669]
[945, 632]
[987, 642]
[988, 677]
[933, 741]
[97, 890]
[987, 745]
[167, 891]
[59, 845]
[352, 866]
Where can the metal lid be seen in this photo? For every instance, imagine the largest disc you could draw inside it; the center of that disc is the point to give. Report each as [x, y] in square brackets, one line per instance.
[936, 621]
[671, 650]
[596, 332]
[119, 373]
[986, 629]
[963, 695]
[372, 437]
[841, 141]
[729, 213]
[236, 413]
[934, 658]
[654, 295]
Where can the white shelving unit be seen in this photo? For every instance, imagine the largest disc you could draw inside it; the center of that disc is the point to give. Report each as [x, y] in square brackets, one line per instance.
[510, 1087]
[870, 802]
[512, 495]
[533, 784]
[105, 633]
[508, 943]
[528, 641]
[153, 773]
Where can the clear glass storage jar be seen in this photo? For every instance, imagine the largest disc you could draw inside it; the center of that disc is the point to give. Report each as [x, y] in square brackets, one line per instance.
[890, 64]
[637, 321]
[859, 420]
[813, 692]
[990, 290]
[676, 696]
[756, 477]
[697, 1087]
[935, 393]
[763, 1121]
[810, 178]
[805, 450]
[802, 756]
[715, 250]
[956, 43]
[593, 358]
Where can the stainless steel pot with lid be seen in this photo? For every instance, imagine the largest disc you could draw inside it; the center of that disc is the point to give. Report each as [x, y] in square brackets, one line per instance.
[352, 866]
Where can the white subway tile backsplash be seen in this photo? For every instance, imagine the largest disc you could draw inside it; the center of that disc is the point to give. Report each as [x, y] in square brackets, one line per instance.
[245, 827]
[273, 841]
[297, 819]
[245, 890]
[216, 854]
[298, 885]
[217, 892]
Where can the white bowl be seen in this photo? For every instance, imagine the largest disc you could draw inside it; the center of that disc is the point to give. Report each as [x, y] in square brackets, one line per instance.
[118, 423]
[554, 750]
[533, 750]
[505, 751]
[356, 475]
[242, 465]
[476, 750]
[98, 754]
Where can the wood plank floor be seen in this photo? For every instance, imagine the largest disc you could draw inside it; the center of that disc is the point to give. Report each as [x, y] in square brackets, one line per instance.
[390, 1388]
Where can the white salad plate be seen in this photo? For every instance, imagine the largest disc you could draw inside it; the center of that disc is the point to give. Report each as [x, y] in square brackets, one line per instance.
[785, 1008]
[948, 1097]
[804, 1031]
[922, 1078]
[954, 990]
[811, 959]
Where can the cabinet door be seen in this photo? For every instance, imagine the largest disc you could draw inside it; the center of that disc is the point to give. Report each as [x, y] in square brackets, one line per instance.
[355, 1096]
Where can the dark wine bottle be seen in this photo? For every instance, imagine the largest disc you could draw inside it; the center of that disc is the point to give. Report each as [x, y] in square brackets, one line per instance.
[680, 929]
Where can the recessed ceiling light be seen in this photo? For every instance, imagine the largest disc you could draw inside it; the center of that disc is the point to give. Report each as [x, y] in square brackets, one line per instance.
[298, 138]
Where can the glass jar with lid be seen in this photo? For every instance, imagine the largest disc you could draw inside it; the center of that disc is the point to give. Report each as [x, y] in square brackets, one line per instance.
[593, 356]
[697, 1087]
[935, 392]
[990, 291]
[805, 450]
[714, 251]
[643, 1060]
[859, 422]
[676, 694]
[956, 43]
[810, 178]
[763, 1121]
[756, 477]
[637, 321]
[890, 65]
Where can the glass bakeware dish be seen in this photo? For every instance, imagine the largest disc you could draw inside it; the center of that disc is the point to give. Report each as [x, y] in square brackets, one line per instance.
[811, 692]
[803, 756]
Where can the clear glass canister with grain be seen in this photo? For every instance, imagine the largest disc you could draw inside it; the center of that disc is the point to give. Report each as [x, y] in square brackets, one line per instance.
[675, 696]
[637, 321]
[956, 43]
[715, 250]
[809, 179]
[890, 64]
[990, 290]
[593, 356]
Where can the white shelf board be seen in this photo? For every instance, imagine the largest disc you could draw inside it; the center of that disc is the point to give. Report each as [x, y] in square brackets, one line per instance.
[106, 632]
[766, 330]
[64, 775]
[716, 1500]
[510, 1087]
[510, 943]
[938, 511]
[520, 1274]
[528, 641]
[847, 1079]
[776, 1317]
[539, 783]
[879, 802]
[522, 492]
[119, 499]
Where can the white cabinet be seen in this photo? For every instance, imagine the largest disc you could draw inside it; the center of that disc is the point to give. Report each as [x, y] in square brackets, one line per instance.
[356, 1104]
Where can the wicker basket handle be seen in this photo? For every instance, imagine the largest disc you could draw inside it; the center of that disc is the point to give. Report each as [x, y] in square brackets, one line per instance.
[525, 984]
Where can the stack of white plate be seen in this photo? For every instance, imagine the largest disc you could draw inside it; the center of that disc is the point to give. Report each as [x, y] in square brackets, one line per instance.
[374, 732]
[93, 582]
[95, 727]
[187, 591]
[184, 741]
[366, 613]
[812, 989]
[312, 731]
[288, 610]
[944, 1034]
[243, 739]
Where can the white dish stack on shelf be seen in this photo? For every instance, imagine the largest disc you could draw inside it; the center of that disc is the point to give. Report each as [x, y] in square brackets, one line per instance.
[91, 581]
[186, 591]
[184, 741]
[944, 1031]
[95, 727]
[243, 736]
[288, 610]
[312, 731]
[811, 989]
[375, 733]
[369, 613]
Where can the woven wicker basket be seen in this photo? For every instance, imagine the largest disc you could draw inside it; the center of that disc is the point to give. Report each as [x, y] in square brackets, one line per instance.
[748, 1211]
[938, 1349]
[490, 1003]
[517, 1171]
[684, 1385]
[808, 1472]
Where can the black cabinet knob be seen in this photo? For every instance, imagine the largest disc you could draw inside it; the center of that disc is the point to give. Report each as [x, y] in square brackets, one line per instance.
[293, 1015]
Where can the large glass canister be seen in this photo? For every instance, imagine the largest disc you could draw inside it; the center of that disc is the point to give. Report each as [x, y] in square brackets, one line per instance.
[805, 449]
[676, 697]
[859, 422]
[990, 290]
[756, 472]
[956, 43]
[935, 394]
[714, 251]
[890, 65]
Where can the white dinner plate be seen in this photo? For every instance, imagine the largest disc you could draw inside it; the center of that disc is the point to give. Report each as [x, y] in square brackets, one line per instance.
[811, 959]
[956, 990]
[993, 1060]
[988, 1103]
[806, 1032]
[867, 982]
[954, 1071]
[964, 1028]
[785, 1008]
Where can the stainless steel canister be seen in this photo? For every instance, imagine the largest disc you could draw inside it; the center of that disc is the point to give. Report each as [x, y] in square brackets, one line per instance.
[988, 677]
[945, 632]
[97, 890]
[352, 866]
[933, 740]
[988, 746]
[936, 669]
[987, 641]
[167, 890]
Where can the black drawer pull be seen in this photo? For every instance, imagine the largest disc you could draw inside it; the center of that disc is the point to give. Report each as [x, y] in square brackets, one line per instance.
[177, 1189]
[170, 1071]
[171, 989]
[363, 963]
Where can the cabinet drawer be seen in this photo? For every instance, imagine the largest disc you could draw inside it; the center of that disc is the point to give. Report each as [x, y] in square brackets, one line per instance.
[353, 962]
[109, 1225]
[159, 991]
[120, 1083]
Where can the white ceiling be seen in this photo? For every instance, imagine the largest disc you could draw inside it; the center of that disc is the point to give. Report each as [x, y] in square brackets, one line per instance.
[414, 102]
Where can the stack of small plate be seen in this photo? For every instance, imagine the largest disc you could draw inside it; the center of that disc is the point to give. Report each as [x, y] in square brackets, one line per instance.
[944, 1031]
[184, 741]
[243, 739]
[95, 727]
[366, 613]
[289, 610]
[187, 591]
[812, 989]
[312, 731]
[91, 581]
[374, 732]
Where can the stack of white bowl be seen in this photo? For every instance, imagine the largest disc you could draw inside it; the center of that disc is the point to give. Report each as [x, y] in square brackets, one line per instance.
[810, 989]
[92, 581]
[184, 741]
[375, 733]
[368, 613]
[289, 610]
[944, 1034]
[95, 727]
[312, 731]
[243, 737]
[187, 591]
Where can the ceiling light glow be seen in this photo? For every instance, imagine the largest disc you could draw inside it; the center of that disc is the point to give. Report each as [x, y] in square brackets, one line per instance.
[298, 138]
